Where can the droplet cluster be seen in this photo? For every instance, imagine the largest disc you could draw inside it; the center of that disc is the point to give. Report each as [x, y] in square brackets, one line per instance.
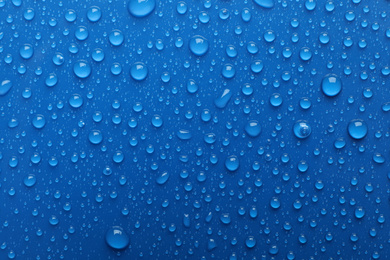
[147, 129]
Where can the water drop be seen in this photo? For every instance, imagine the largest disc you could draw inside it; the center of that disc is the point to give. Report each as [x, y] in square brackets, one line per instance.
[26, 51]
[94, 14]
[39, 121]
[232, 163]
[357, 129]
[116, 37]
[139, 71]
[117, 238]
[302, 129]
[82, 69]
[5, 86]
[265, 3]
[75, 101]
[253, 128]
[331, 85]
[141, 8]
[199, 45]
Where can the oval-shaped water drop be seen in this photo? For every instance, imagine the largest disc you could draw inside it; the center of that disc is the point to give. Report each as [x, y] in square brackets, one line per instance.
[199, 45]
[331, 85]
[162, 178]
[117, 238]
[222, 100]
[5, 86]
[141, 8]
[357, 129]
[265, 3]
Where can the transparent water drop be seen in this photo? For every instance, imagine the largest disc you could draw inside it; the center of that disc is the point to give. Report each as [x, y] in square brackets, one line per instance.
[139, 71]
[157, 121]
[199, 45]
[94, 14]
[265, 3]
[26, 51]
[253, 128]
[116, 37]
[39, 121]
[141, 8]
[29, 180]
[82, 69]
[357, 129]
[232, 163]
[331, 85]
[302, 129]
[5, 86]
[222, 100]
[81, 33]
[75, 101]
[228, 71]
[162, 178]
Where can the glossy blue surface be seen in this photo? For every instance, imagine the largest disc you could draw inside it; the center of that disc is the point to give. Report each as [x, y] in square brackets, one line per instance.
[194, 129]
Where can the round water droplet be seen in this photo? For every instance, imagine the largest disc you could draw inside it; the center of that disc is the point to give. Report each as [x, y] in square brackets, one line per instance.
[141, 8]
[70, 15]
[359, 212]
[117, 238]
[253, 128]
[331, 85]
[116, 37]
[82, 69]
[305, 54]
[5, 86]
[98, 55]
[357, 129]
[75, 101]
[30, 180]
[250, 242]
[232, 163]
[228, 71]
[26, 51]
[265, 3]
[58, 59]
[94, 14]
[39, 121]
[95, 137]
[81, 33]
[257, 66]
[275, 203]
[302, 129]
[139, 71]
[157, 121]
[199, 45]
[276, 100]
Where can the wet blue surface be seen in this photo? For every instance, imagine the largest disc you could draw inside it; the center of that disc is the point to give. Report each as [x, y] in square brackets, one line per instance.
[194, 129]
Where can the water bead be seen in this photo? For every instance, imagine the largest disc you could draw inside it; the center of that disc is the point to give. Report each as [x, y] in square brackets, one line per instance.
[81, 33]
[265, 3]
[250, 242]
[98, 55]
[192, 87]
[39, 121]
[29, 180]
[141, 8]
[29, 14]
[116, 68]
[75, 101]
[95, 137]
[181, 7]
[94, 14]
[305, 103]
[269, 36]
[305, 54]
[257, 66]
[117, 238]
[357, 129]
[58, 59]
[253, 128]
[5, 86]
[302, 129]
[331, 85]
[228, 71]
[276, 99]
[70, 15]
[116, 37]
[157, 121]
[310, 5]
[275, 203]
[26, 51]
[199, 45]
[138, 71]
[232, 163]
[204, 17]
[82, 69]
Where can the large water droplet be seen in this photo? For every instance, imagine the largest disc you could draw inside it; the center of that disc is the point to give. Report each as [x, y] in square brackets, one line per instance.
[26, 51]
[222, 100]
[199, 45]
[5, 86]
[302, 129]
[331, 85]
[265, 3]
[95, 137]
[232, 163]
[253, 128]
[94, 14]
[141, 8]
[116, 37]
[357, 129]
[82, 69]
[39, 121]
[162, 178]
[117, 238]
[139, 71]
